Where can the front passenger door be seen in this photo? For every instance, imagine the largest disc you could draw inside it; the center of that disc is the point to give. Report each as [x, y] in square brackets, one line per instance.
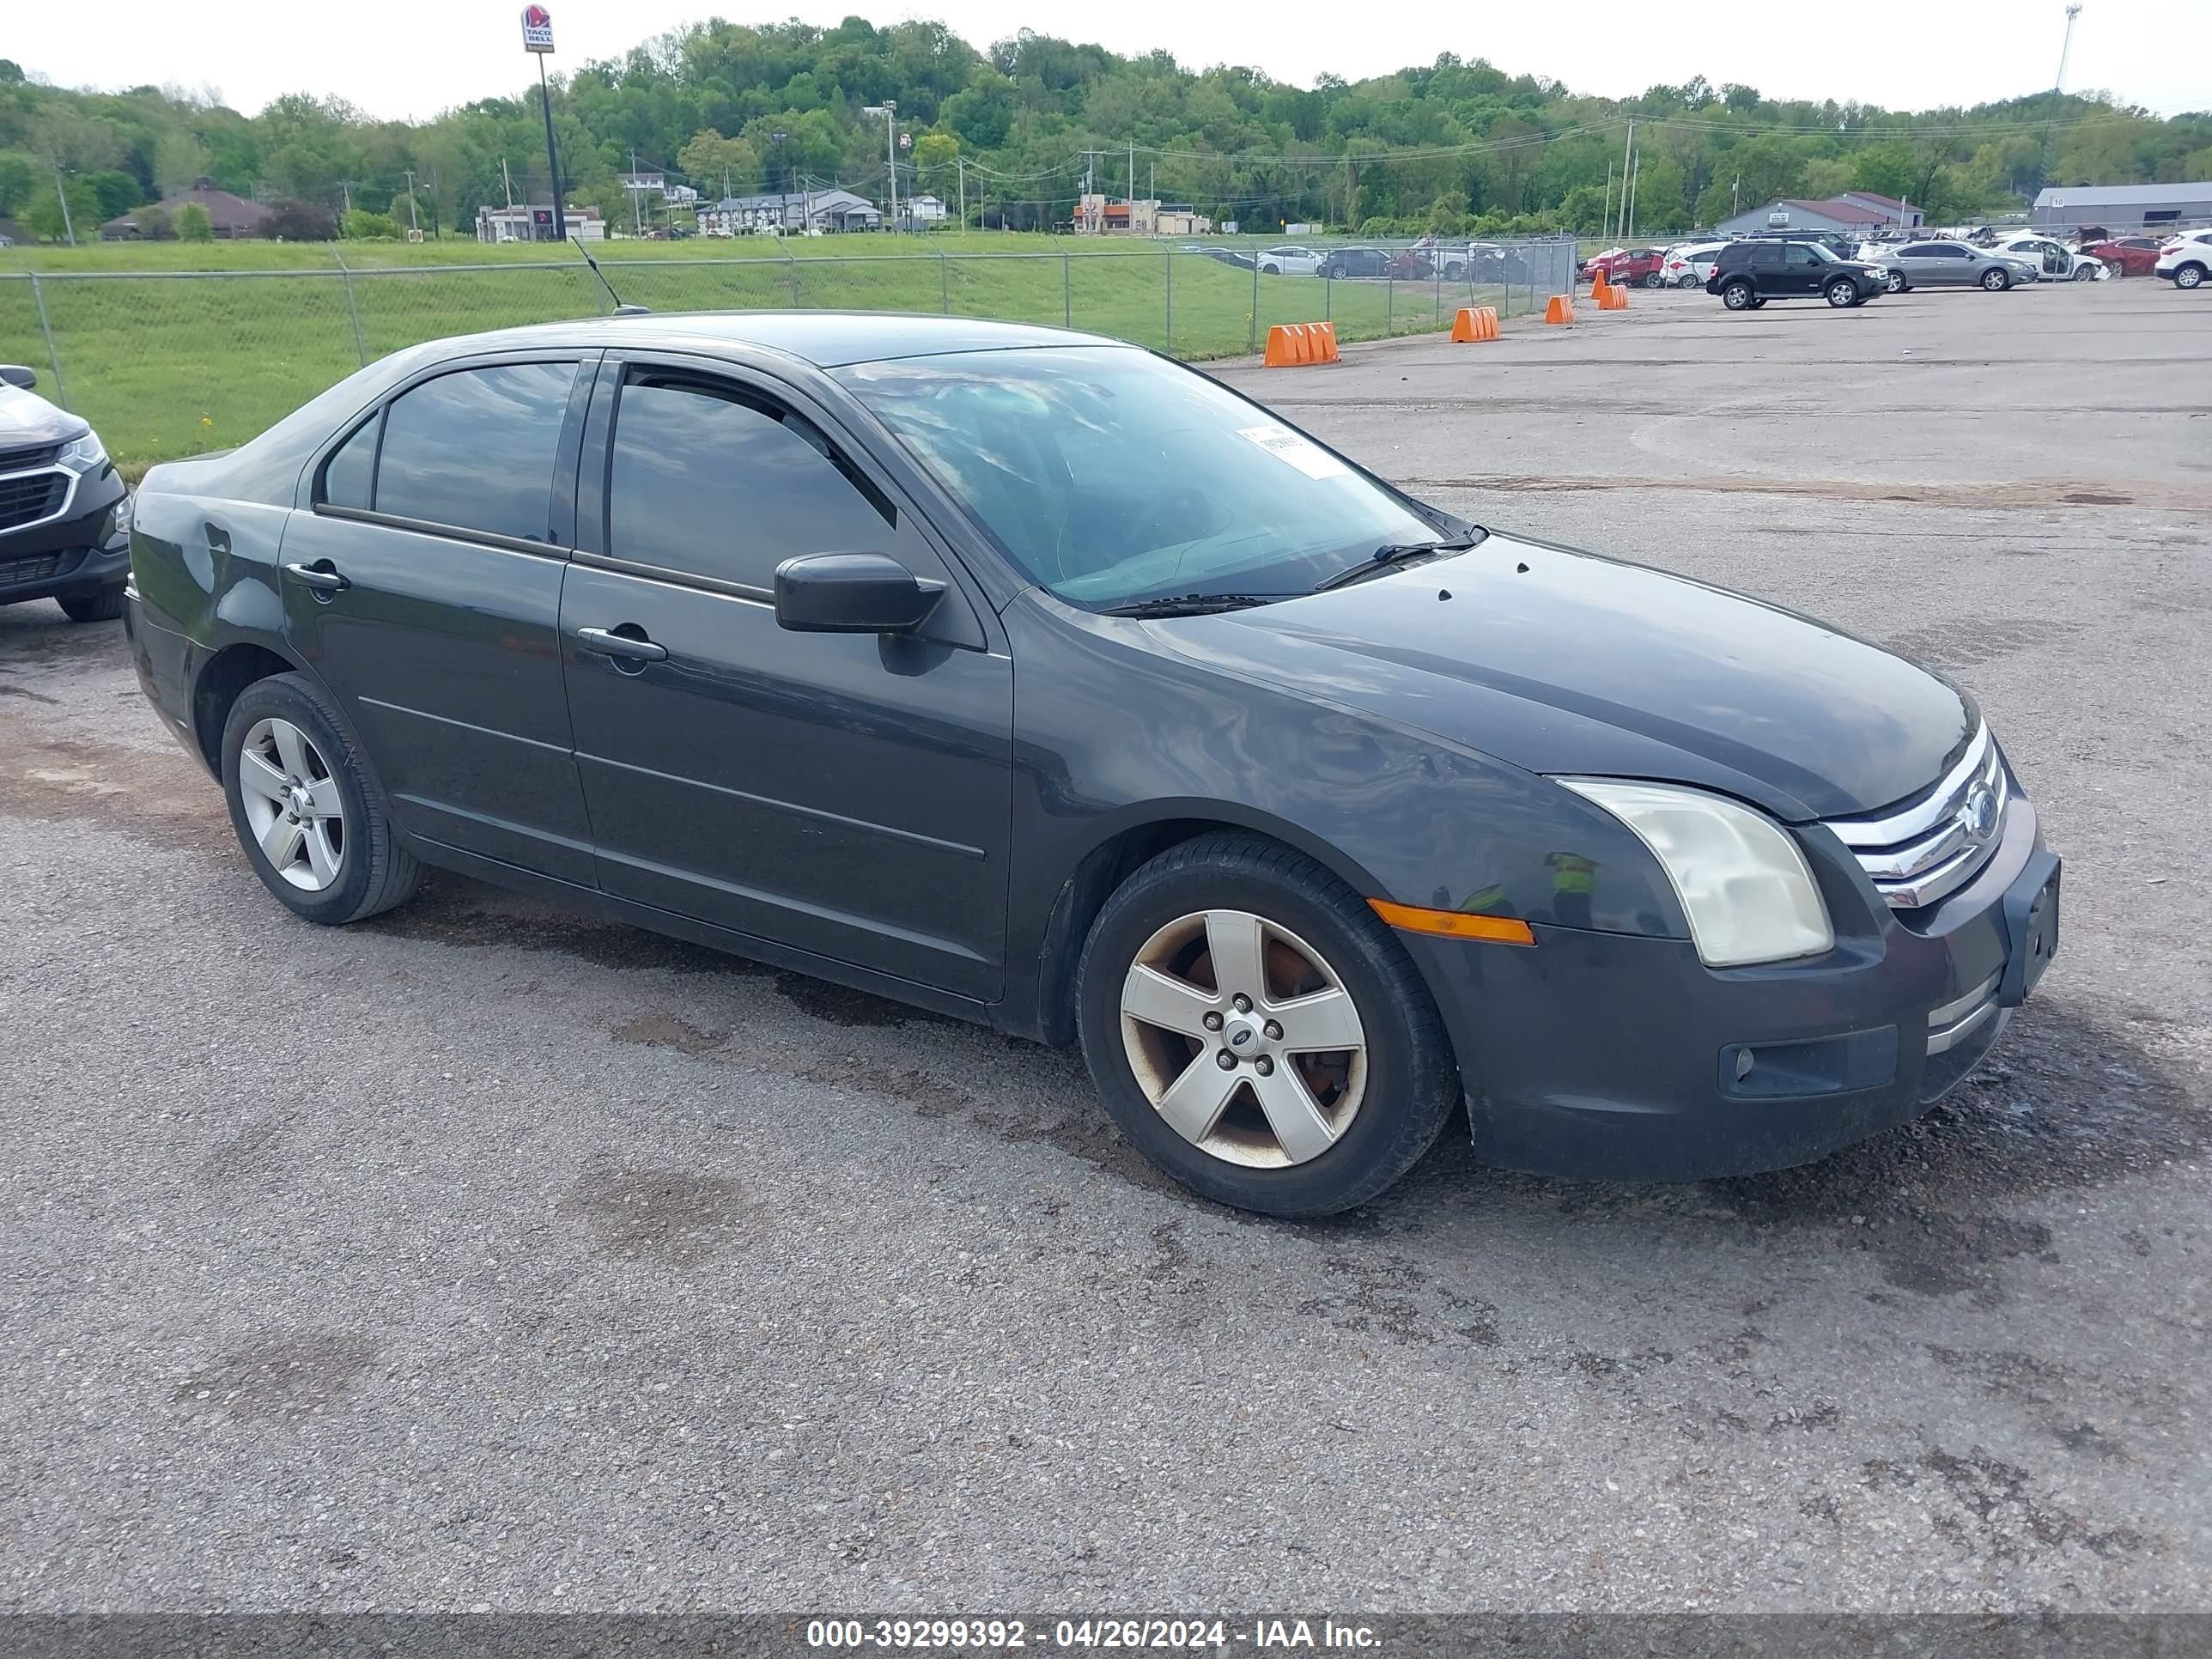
[1804, 268]
[848, 795]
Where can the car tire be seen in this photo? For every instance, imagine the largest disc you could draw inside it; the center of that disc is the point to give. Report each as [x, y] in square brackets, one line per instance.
[2084, 274]
[1453, 271]
[1690, 280]
[1759, 302]
[1997, 281]
[1894, 281]
[2189, 276]
[368, 872]
[1842, 293]
[1358, 1119]
[105, 606]
[1271, 271]
[1739, 296]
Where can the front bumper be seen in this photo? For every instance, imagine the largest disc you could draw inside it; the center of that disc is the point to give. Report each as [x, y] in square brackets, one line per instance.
[70, 558]
[1606, 1056]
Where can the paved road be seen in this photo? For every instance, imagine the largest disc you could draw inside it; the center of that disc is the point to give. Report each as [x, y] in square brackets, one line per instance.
[485, 1256]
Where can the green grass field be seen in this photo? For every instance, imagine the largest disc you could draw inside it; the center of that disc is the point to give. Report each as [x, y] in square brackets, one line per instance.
[166, 359]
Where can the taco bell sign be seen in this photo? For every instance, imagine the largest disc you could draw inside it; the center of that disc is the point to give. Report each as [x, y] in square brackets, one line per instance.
[536, 29]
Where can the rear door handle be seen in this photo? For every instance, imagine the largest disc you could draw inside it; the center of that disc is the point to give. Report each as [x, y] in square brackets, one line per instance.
[608, 643]
[321, 576]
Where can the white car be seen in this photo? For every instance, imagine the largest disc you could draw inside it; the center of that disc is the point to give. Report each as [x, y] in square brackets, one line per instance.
[2186, 261]
[1290, 260]
[2054, 261]
[1691, 265]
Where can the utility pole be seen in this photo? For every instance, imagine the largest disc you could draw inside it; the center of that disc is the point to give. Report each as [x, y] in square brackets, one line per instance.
[636, 197]
[411, 224]
[1634, 172]
[1605, 218]
[2058, 90]
[1627, 145]
[1133, 173]
[889, 111]
[68, 228]
[961, 162]
[1735, 198]
[506, 184]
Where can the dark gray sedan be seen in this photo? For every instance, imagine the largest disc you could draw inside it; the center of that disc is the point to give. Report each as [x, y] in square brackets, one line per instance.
[1938, 263]
[1036, 679]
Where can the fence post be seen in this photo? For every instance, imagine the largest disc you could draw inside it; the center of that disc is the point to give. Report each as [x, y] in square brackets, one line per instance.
[792, 259]
[1167, 334]
[53, 352]
[1436, 270]
[1067, 291]
[1252, 335]
[1327, 296]
[943, 284]
[353, 310]
[1389, 305]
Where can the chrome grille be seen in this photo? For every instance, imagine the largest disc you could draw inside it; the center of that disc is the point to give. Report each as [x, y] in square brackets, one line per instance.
[1936, 845]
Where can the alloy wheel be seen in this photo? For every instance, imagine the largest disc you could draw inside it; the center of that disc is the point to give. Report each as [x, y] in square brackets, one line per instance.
[1243, 1038]
[292, 804]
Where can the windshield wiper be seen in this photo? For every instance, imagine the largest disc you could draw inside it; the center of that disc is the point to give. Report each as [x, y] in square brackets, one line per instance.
[1194, 604]
[1395, 555]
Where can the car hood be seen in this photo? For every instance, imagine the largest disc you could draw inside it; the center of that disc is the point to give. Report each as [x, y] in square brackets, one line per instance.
[1568, 663]
[27, 418]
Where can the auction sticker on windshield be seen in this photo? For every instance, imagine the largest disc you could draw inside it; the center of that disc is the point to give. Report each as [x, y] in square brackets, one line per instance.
[1285, 446]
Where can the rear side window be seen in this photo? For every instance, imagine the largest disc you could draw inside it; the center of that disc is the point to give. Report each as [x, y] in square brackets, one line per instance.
[474, 449]
[1766, 253]
[708, 479]
[349, 474]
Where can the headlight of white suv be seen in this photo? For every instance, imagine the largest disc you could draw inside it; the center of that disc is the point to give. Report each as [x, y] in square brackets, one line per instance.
[83, 455]
[1745, 886]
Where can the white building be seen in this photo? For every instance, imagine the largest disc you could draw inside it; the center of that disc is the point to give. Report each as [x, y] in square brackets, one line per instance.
[534, 223]
[794, 210]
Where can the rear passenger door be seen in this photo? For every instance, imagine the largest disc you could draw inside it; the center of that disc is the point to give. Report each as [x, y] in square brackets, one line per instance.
[843, 795]
[1767, 275]
[424, 588]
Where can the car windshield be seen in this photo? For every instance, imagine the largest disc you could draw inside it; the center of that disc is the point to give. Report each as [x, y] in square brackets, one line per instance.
[1110, 476]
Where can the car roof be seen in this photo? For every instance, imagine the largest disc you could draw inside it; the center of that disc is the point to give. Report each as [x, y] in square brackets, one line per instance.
[827, 339]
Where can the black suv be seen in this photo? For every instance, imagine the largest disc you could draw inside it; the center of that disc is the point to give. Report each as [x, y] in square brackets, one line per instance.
[64, 515]
[1750, 273]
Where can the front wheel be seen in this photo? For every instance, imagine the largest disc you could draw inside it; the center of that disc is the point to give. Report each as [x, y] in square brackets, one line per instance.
[1842, 293]
[1997, 281]
[1738, 297]
[306, 808]
[1759, 302]
[1894, 281]
[105, 606]
[1258, 1032]
[2084, 273]
[1453, 271]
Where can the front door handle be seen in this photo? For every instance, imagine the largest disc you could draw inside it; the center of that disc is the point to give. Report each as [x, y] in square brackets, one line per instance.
[321, 575]
[608, 643]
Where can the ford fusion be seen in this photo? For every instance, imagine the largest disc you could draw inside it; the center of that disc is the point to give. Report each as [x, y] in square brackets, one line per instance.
[1032, 678]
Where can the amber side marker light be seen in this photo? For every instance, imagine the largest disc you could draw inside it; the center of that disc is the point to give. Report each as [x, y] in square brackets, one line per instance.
[1453, 924]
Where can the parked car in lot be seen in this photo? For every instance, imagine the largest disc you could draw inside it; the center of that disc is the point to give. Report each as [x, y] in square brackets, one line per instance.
[2186, 260]
[1942, 262]
[1747, 274]
[1320, 809]
[2053, 260]
[1290, 260]
[2125, 256]
[1628, 267]
[64, 513]
[1690, 265]
[1341, 262]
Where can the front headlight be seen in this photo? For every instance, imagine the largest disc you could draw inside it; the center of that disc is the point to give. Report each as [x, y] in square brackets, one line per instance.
[83, 455]
[1745, 886]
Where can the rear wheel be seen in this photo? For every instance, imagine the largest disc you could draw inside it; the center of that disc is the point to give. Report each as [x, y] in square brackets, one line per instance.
[1272, 270]
[1653, 279]
[106, 605]
[1738, 297]
[306, 808]
[1759, 302]
[1258, 1032]
[2189, 276]
[1894, 281]
[1997, 281]
[1688, 279]
[1453, 271]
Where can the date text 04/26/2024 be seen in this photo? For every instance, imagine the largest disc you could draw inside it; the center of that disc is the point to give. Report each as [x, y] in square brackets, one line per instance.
[1168, 1635]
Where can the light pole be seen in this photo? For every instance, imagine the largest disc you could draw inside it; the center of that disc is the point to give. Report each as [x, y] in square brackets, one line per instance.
[889, 110]
[2057, 91]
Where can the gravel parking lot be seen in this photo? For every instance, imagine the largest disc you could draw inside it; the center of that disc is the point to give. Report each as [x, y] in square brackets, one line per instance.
[482, 1255]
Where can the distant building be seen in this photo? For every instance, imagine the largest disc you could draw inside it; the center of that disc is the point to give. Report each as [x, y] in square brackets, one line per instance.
[832, 209]
[1855, 210]
[2131, 207]
[1095, 216]
[533, 222]
[231, 216]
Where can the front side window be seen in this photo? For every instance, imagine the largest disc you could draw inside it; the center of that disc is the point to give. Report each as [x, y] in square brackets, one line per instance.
[474, 449]
[1109, 476]
[1808, 254]
[709, 480]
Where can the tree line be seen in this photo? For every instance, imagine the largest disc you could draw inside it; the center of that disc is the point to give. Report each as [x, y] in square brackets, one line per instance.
[1018, 129]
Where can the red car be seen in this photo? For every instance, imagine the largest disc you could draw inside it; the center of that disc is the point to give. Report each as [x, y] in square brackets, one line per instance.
[2126, 256]
[1628, 267]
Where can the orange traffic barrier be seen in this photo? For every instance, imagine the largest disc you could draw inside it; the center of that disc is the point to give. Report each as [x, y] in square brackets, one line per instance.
[1475, 323]
[1290, 344]
[1598, 286]
[1561, 309]
[1613, 297]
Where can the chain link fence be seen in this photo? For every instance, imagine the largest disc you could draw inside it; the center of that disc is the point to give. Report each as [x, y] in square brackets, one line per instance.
[170, 363]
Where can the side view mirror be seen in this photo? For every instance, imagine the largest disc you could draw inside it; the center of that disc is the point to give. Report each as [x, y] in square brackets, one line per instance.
[851, 593]
[16, 375]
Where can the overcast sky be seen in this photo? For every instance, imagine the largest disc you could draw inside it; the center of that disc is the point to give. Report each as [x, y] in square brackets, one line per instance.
[415, 57]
